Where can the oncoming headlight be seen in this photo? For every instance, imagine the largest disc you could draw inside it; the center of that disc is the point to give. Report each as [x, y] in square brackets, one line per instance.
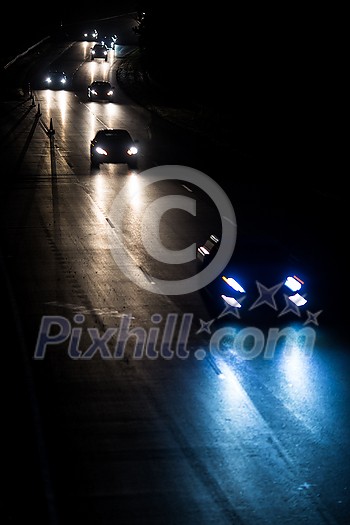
[132, 150]
[101, 151]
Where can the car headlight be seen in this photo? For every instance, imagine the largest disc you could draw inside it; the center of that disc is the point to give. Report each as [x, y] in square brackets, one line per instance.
[101, 151]
[233, 283]
[231, 301]
[293, 283]
[132, 150]
[297, 299]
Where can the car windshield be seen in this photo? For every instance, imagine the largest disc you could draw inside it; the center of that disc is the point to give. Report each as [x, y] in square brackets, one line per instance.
[119, 136]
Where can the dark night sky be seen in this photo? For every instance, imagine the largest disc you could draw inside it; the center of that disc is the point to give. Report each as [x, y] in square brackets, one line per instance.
[33, 21]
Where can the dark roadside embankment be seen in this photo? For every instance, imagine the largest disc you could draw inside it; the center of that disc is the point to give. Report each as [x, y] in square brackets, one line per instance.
[175, 106]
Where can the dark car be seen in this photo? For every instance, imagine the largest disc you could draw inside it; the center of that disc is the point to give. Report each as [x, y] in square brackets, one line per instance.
[99, 51]
[100, 90]
[262, 283]
[113, 146]
[56, 80]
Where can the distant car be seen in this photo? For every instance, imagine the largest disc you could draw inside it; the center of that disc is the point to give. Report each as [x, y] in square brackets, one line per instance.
[115, 146]
[56, 80]
[99, 51]
[100, 90]
[90, 35]
[262, 283]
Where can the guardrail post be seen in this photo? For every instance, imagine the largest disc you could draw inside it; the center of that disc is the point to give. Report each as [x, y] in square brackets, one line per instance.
[31, 94]
[51, 134]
